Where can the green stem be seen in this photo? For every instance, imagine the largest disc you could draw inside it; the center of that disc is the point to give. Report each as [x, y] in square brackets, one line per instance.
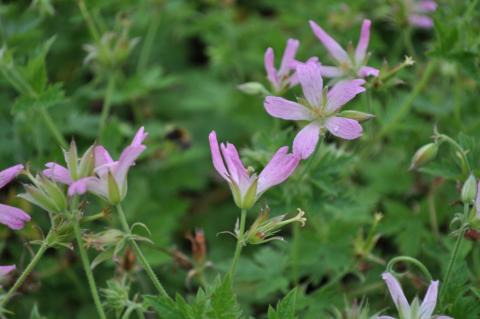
[107, 104]
[139, 253]
[407, 38]
[89, 21]
[240, 243]
[461, 151]
[50, 124]
[43, 247]
[85, 260]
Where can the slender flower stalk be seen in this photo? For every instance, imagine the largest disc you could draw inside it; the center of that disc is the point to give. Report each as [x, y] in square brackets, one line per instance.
[21, 279]
[85, 260]
[151, 274]
[240, 243]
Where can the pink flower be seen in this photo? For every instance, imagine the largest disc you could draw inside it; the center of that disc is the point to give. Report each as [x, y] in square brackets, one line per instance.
[319, 108]
[12, 217]
[5, 270]
[246, 186]
[354, 65]
[110, 180]
[285, 76]
[414, 310]
[418, 11]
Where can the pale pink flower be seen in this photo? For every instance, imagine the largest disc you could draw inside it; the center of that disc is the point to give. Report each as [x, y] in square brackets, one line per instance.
[247, 186]
[12, 217]
[352, 64]
[5, 270]
[415, 310]
[110, 180]
[418, 11]
[319, 108]
[284, 77]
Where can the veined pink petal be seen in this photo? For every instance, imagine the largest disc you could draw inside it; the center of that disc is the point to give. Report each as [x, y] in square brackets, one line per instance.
[330, 44]
[306, 140]
[58, 173]
[280, 167]
[13, 217]
[9, 174]
[430, 301]
[347, 129]
[421, 21]
[362, 46]
[426, 6]
[269, 59]
[237, 172]
[396, 292]
[217, 156]
[279, 107]
[102, 157]
[91, 184]
[330, 71]
[126, 160]
[342, 92]
[310, 78]
[293, 65]
[139, 137]
[366, 71]
[5, 270]
[289, 56]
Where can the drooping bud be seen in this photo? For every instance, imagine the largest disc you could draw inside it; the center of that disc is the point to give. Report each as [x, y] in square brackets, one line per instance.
[424, 154]
[253, 88]
[356, 115]
[469, 190]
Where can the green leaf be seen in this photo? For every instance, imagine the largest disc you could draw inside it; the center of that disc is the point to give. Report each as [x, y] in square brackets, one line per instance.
[285, 308]
[224, 302]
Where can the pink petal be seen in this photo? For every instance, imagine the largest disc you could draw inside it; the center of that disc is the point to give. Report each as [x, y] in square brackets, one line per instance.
[269, 59]
[330, 44]
[102, 157]
[289, 56]
[310, 78]
[426, 6]
[90, 184]
[9, 174]
[280, 167]
[342, 92]
[293, 77]
[421, 21]
[430, 301]
[217, 156]
[285, 109]
[347, 129]
[396, 292]
[5, 270]
[58, 173]
[366, 71]
[236, 170]
[126, 160]
[13, 217]
[362, 46]
[331, 71]
[306, 140]
[139, 137]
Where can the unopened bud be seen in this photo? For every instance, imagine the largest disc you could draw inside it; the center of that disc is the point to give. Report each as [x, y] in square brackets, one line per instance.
[356, 115]
[469, 190]
[424, 154]
[252, 88]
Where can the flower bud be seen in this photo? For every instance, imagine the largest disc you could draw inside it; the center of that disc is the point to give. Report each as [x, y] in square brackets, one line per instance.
[469, 190]
[71, 158]
[45, 194]
[356, 115]
[253, 88]
[424, 154]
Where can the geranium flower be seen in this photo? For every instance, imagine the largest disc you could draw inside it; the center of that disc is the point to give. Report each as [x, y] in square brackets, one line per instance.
[247, 186]
[351, 64]
[415, 310]
[12, 217]
[418, 11]
[318, 107]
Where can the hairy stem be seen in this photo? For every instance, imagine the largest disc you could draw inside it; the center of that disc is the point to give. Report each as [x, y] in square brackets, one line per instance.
[240, 243]
[86, 261]
[151, 274]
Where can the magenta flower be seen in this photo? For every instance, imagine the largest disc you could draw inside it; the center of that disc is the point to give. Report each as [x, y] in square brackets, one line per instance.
[5, 270]
[12, 217]
[285, 76]
[415, 310]
[319, 108]
[351, 65]
[418, 11]
[246, 186]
